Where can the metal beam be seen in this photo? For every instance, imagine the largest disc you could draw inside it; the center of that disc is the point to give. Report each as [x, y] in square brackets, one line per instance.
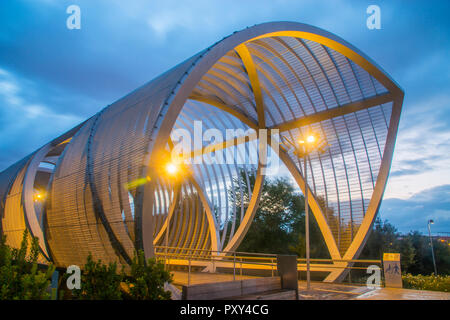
[335, 112]
[209, 214]
[172, 208]
[249, 65]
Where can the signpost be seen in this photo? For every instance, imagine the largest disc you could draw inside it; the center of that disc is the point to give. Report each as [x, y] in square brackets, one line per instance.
[392, 270]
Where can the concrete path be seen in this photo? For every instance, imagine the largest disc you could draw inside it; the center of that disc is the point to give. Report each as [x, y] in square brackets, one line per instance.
[404, 294]
[329, 291]
[320, 290]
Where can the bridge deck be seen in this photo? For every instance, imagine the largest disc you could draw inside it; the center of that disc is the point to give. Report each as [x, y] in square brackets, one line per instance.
[320, 290]
[180, 278]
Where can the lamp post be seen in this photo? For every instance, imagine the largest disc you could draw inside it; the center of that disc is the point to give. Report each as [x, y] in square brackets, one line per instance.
[308, 271]
[430, 222]
[171, 169]
[308, 144]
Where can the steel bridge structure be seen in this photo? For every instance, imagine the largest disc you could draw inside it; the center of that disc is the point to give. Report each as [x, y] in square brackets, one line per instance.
[99, 188]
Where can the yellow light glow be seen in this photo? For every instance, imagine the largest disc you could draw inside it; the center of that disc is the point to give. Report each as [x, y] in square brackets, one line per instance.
[171, 169]
[136, 183]
[39, 196]
[301, 141]
[311, 139]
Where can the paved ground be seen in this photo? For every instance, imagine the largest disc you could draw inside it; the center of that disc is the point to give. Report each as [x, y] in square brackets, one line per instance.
[327, 291]
[404, 294]
[320, 290]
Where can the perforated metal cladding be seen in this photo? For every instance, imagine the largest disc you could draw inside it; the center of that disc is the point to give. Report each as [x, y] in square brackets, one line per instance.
[13, 218]
[7, 178]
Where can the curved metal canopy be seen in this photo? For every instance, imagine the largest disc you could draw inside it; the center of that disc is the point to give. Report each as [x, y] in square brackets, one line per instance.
[104, 193]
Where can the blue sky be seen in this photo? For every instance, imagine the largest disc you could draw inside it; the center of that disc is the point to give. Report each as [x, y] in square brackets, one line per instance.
[52, 78]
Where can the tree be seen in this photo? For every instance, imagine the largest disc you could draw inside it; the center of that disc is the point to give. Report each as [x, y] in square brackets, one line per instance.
[318, 248]
[279, 222]
[20, 278]
[414, 249]
[423, 261]
[381, 239]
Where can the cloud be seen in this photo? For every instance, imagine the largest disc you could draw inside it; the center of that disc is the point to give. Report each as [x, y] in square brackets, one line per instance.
[414, 212]
[423, 144]
[26, 123]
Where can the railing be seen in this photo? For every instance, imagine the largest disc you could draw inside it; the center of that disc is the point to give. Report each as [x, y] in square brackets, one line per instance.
[237, 261]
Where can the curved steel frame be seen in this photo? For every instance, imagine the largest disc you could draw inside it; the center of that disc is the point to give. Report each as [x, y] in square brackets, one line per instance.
[282, 75]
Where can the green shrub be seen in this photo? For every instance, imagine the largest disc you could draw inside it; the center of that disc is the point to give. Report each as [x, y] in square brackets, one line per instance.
[19, 275]
[432, 282]
[146, 280]
[99, 282]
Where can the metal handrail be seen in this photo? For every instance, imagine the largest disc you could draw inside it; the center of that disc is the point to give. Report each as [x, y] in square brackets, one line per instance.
[226, 252]
[171, 255]
[246, 258]
[341, 260]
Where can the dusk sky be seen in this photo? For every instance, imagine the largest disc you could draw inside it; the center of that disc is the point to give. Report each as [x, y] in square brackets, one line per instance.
[52, 78]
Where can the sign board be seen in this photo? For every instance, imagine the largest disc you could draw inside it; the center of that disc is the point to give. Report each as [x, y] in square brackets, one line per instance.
[392, 270]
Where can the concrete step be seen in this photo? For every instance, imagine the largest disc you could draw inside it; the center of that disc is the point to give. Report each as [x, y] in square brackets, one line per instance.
[238, 288]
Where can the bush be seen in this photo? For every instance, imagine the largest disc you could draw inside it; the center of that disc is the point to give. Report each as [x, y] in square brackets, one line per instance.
[432, 282]
[99, 282]
[102, 282]
[147, 279]
[19, 275]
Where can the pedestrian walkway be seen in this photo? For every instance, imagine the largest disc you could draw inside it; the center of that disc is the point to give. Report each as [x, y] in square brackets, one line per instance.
[331, 291]
[319, 290]
[404, 294]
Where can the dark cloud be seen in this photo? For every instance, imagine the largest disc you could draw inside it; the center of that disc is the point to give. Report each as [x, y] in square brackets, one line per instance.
[413, 167]
[405, 172]
[413, 213]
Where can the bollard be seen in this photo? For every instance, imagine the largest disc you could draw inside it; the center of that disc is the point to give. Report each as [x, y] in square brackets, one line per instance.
[287, 269]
